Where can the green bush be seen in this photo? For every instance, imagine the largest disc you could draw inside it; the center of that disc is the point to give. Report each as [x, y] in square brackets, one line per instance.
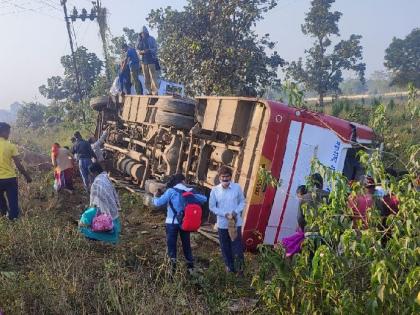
[351, 272]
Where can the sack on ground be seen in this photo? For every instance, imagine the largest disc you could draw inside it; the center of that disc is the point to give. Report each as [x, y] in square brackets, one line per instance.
[102, 222]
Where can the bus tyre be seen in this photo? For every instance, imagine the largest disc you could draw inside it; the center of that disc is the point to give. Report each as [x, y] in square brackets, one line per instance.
[174, 120]
[99, 103]
[178, 106]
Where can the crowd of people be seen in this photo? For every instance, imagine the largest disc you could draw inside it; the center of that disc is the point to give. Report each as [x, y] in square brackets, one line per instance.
[144, 57]
[310, 199]
[100, 221]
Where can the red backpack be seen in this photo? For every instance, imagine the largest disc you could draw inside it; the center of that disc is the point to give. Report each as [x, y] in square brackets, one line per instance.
[189, 218]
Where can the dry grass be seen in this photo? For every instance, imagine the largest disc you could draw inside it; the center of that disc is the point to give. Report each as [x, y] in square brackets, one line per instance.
[47, 267]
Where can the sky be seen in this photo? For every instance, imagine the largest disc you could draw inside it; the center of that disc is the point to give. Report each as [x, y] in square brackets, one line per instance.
[33, 34]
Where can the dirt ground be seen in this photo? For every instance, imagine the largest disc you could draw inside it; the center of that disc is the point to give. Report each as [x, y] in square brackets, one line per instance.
[142, 243]
[142, 228]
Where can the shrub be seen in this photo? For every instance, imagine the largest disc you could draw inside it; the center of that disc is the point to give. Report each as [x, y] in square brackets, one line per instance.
[351, 272]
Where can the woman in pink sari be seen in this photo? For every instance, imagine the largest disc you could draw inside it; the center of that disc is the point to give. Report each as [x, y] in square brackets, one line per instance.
[293, 243]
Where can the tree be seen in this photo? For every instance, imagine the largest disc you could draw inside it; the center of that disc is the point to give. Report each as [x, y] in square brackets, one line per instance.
[402, 57]
[128, 37]
[211, 48]
[31, 115]
[323, 69]
[352, 86]
[65, 88]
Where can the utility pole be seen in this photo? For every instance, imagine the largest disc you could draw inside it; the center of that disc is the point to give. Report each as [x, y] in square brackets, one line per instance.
[99, 13]
[76, 70]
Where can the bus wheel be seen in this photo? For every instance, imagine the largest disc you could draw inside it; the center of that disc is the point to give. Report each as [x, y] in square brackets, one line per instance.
[174, 120]
[178, 106]
[99, 103]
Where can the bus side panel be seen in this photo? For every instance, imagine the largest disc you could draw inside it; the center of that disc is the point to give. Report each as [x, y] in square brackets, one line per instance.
[291, 149]
[313, 141]
[258, 213]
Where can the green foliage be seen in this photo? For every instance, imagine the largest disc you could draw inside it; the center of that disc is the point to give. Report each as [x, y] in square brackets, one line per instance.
[322, 71]
[402, 58]
[337, 108]
[31, 115]
[413, 106]
[266, 178]
[211, 47]
[353, 86]
[295, 96]
[65, 88]
[379, 120]
[350, 272]
[39, 140]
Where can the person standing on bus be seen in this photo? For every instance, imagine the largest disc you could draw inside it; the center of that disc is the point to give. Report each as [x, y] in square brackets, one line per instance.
[147, 48]
[132, 59]
[227, 201]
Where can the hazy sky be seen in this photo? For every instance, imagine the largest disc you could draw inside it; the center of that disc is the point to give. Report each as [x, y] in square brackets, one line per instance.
[34, 37]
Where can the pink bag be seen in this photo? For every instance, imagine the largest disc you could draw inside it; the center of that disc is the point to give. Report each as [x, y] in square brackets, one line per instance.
[102, 222]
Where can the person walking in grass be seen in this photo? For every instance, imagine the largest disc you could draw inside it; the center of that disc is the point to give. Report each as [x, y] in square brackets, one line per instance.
[227, 201]
[8, 179]
[175, 203]
[85, 154]
[62, 160]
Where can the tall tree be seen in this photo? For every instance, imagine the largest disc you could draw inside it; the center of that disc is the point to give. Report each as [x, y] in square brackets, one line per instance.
[211, 46]
[65, 88]
[402, 57]
[323, 68]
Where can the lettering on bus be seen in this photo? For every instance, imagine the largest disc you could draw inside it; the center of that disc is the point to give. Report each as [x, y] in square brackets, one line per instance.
[259, 189]
[335, 154]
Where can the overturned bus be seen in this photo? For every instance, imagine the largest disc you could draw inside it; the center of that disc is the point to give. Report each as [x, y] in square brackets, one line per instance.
[152, 137]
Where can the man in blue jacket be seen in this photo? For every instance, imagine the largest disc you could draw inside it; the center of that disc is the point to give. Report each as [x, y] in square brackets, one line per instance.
[85, 154]
[175, 204]
[147, 48]
[133, 62]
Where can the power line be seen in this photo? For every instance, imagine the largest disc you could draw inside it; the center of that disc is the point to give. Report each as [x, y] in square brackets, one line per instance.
[76, 70]
[48, 4]
[23, 8]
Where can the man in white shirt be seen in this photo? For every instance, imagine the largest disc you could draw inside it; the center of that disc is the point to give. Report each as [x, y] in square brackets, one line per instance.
[227, 201]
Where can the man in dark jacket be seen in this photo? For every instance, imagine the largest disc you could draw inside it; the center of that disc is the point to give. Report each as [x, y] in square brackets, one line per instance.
[85, 154]
[147, 49]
